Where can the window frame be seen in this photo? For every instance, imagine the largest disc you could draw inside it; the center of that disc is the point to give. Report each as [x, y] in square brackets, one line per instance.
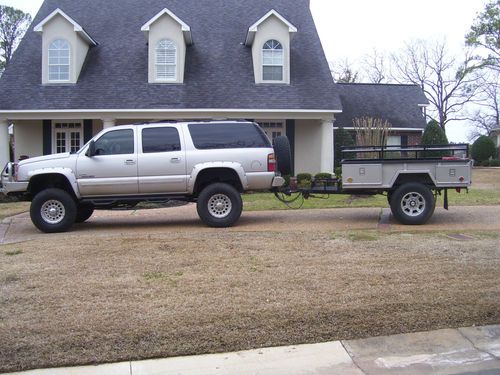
[134, 146]
[199, 139]
[160, 127]
[282, 65]
[156, 64]
[49, 49]
[67, 131]
[269, 127]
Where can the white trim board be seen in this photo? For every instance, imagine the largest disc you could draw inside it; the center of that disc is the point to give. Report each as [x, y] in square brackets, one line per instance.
[391, 129]
[252, 30]
[76, 27]
[186, 30]
[174, 114]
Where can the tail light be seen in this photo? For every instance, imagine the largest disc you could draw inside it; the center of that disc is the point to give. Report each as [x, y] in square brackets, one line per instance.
[271, 163]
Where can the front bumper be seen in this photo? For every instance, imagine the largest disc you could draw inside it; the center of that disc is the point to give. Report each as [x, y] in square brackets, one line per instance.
[7, 183]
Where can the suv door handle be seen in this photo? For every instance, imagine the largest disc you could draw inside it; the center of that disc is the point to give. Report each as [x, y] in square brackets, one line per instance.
[175, 160]
[129, 162]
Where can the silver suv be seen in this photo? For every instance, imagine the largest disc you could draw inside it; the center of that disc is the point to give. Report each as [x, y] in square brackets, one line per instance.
[210, 163]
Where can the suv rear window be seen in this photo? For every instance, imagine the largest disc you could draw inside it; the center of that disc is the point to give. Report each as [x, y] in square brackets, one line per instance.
[228, 135]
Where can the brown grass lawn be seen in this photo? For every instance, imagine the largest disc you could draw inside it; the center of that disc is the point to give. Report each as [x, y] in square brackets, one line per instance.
[79, 299]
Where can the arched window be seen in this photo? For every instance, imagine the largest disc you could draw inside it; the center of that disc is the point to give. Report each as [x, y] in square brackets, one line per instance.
[166, 60]
[59, 60]
[272, 61]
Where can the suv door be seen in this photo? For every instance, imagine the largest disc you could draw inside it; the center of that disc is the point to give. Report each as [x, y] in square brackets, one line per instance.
[162, 160]
[113, 170]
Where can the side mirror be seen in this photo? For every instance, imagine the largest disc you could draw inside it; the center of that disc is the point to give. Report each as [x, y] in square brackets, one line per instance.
[91, 150]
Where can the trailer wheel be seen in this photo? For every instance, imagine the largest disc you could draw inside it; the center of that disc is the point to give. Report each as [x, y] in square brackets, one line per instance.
[412, 203]
[219, 205]
[283, 155]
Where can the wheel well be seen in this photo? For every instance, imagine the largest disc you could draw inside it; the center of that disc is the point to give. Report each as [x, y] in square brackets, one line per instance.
[52, 180]
[422, 178]
[211, 175]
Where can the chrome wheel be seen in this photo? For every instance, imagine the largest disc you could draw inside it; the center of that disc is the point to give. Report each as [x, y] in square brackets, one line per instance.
[52, 211]
[413, 204]
[219, 206]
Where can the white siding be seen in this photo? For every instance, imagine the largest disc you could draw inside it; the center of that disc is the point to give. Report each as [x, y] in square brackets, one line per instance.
[28, 138]
[308, 142]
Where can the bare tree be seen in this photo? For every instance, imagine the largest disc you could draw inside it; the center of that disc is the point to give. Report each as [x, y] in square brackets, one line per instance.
[376, 67]
[448, 84]
[487, 115]
[343, 72]
[13, 25]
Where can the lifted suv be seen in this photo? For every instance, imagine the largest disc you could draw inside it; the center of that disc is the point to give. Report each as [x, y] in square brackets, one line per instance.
[210, 163]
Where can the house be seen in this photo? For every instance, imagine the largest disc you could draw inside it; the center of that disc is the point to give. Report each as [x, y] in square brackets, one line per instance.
[401, 106]
[93, 64]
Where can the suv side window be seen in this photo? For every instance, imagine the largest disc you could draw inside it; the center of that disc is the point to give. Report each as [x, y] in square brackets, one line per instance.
[116, 142]
[160, 140]
[227, 135]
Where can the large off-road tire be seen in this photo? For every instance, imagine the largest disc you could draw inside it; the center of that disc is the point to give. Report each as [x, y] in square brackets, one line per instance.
[83, 212]
[219, 205]
[53, 210]
[283, 155]
[412, 203]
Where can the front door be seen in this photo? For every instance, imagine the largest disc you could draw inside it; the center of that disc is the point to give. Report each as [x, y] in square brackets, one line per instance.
[113, 170]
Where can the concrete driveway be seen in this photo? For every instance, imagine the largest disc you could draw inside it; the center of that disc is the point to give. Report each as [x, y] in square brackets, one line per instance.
[185, 219]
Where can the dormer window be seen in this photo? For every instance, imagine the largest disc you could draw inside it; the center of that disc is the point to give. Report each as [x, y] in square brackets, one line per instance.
[64, 47]
[168, 38]
[272, 61]
[59, 61]
[270, 39]
[166, 60]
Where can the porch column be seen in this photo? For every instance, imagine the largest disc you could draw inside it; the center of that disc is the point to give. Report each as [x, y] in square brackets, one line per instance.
[327, 146]
[4, 143]
[108, 123]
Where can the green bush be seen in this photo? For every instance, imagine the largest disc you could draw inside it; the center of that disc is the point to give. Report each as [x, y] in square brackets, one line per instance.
[494, 163]
[322, 176]
[483, 149]
[304, 180]
[342, 138]
[338, 172]
[485, 163]
[434, 135]
[287, 180]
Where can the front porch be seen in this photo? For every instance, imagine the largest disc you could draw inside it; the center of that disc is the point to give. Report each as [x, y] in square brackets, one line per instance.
[310, 135]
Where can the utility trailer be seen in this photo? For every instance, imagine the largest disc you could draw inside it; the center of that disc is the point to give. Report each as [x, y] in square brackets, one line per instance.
[411, 177]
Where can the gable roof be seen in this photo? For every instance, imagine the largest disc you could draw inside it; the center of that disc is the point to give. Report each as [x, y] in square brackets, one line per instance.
[186, 30]
[400, 105]
[252, 30]
[219, 70]
[78, 29]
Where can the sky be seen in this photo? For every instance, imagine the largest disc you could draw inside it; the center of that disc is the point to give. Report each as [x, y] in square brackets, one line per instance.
[350, 29]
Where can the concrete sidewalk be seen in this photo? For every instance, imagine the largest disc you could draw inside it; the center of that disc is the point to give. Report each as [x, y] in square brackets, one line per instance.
[474, 350]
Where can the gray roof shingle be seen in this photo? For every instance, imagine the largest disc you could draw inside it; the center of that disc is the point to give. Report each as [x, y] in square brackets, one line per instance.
[219, 71]
[398, 104]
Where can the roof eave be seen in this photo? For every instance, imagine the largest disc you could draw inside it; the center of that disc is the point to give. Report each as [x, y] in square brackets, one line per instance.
[252, 30]
[76, 26]
[186, 30]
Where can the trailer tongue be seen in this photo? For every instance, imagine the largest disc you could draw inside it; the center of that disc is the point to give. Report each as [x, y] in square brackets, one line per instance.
[410, 176]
